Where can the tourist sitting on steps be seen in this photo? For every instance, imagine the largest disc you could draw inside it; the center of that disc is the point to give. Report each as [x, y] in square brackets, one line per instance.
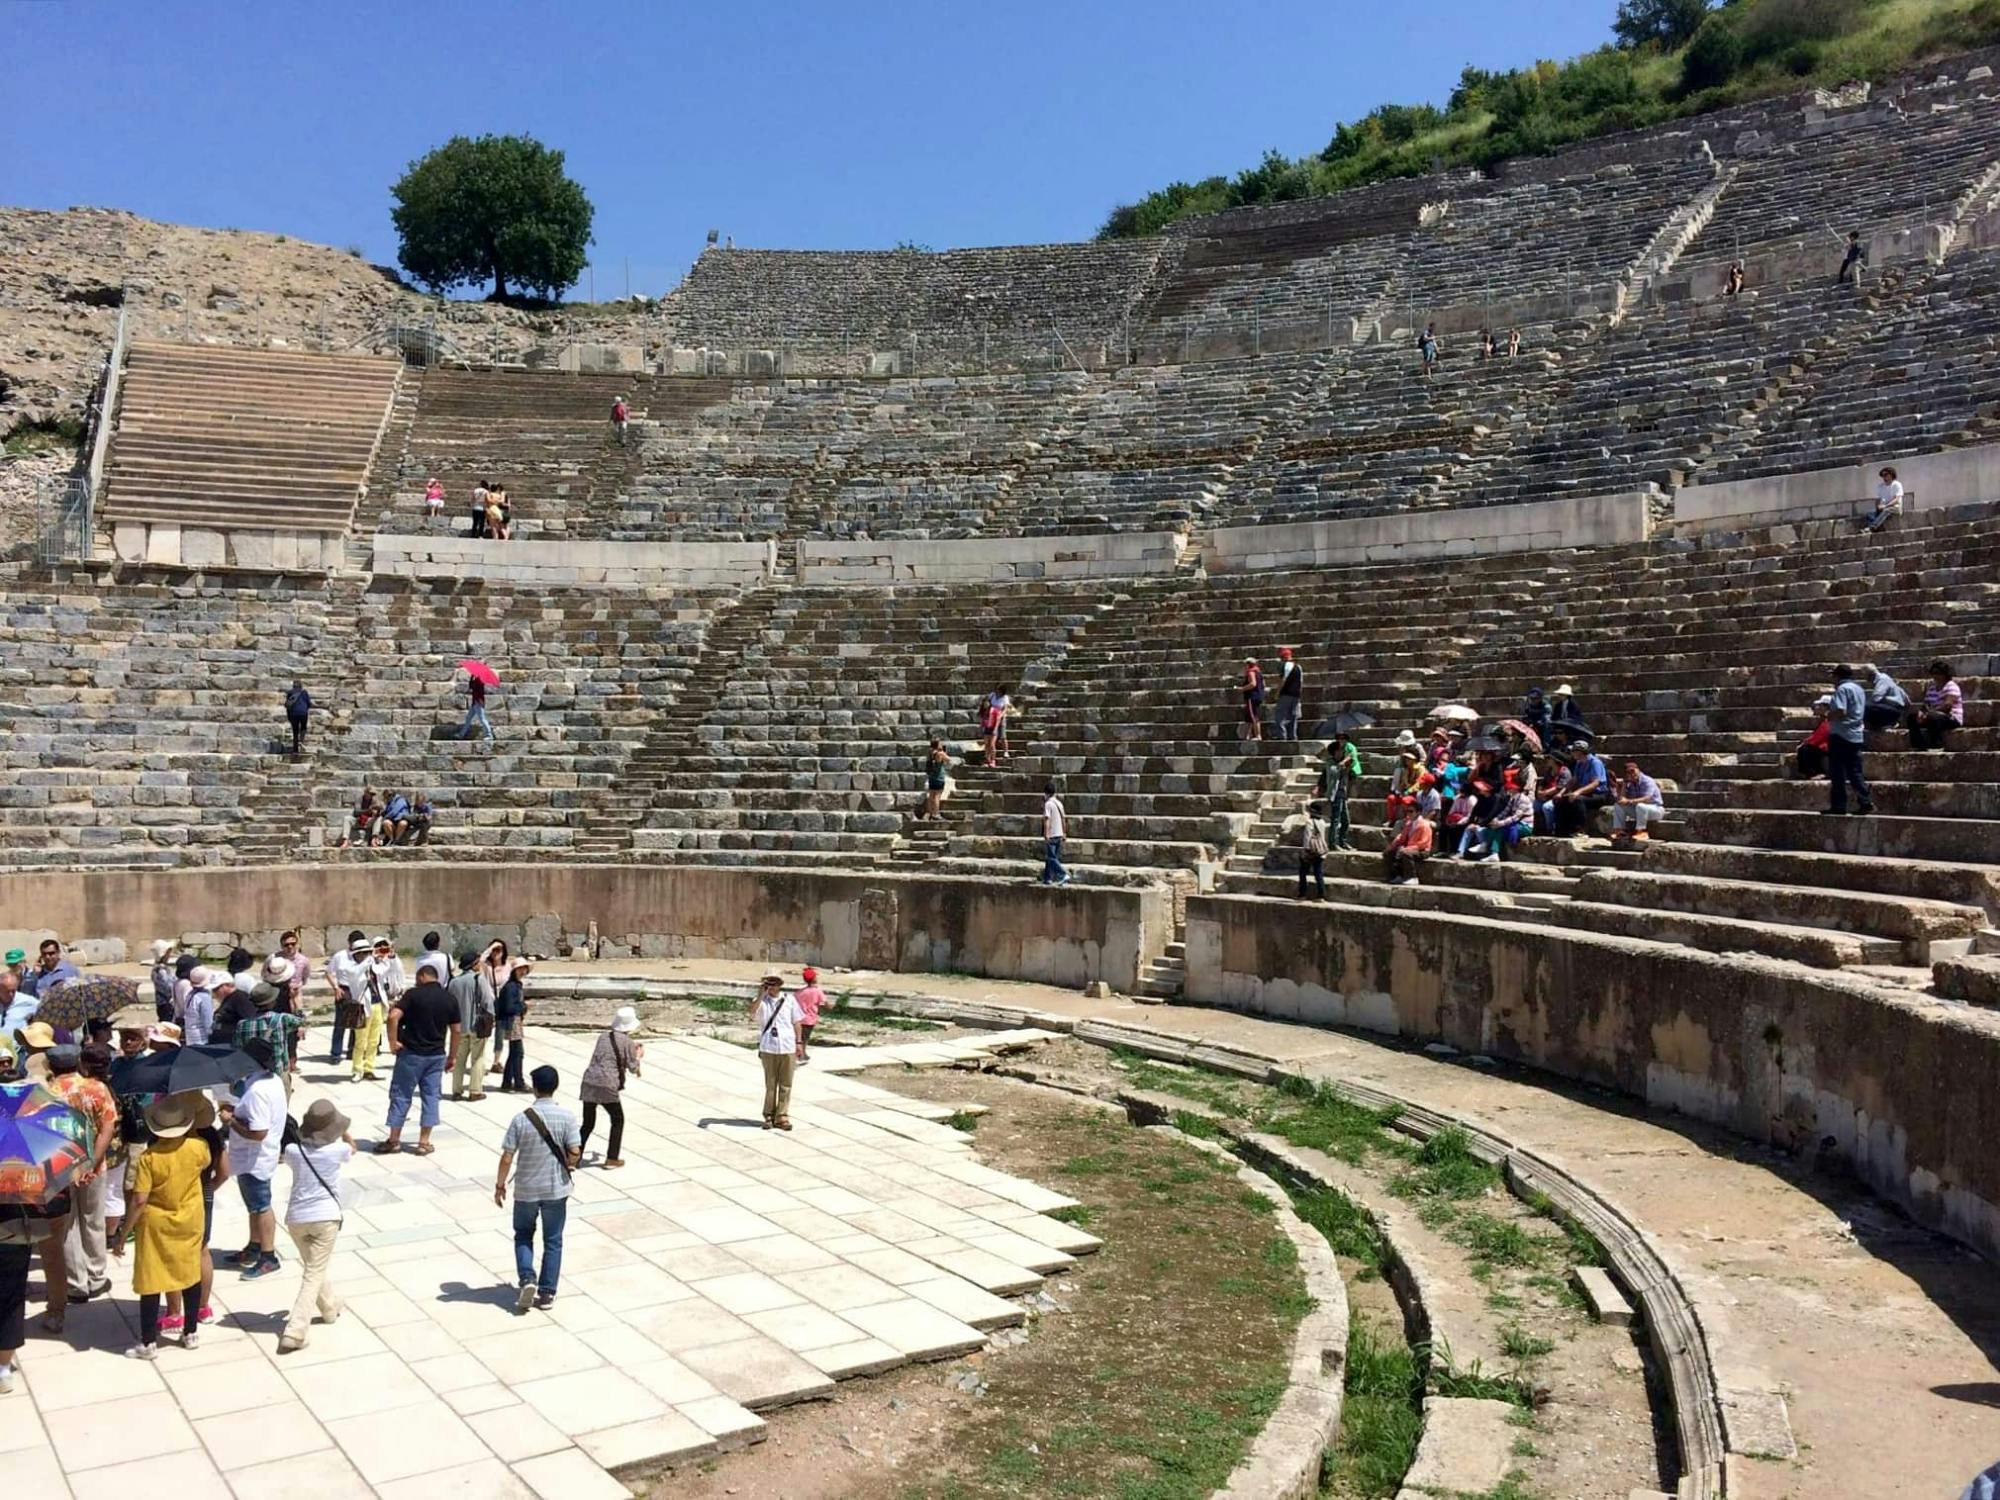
[395, 821]
[1888, 704]
[1636, 806]
[1569, 812]
[1854, 262]
[422, 815]
[1943, 709]
[367, 813]
[1512, 819]
[1409, 846]
[433, 502]
[1809, 760]
[1888, 500]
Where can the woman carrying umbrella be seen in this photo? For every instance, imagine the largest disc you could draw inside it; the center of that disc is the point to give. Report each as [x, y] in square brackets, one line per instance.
[43, 1145]
[165, 1222]
[478, 678]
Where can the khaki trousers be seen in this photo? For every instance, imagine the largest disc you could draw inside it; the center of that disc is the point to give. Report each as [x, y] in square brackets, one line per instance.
[778, 1070]
[315, 1242]
[84, 1247]
[468, 1064]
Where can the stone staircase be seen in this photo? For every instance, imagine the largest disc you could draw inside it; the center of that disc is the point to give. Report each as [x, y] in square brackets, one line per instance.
[234, 438]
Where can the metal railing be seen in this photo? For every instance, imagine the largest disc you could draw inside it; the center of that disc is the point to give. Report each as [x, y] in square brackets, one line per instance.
[63, 532]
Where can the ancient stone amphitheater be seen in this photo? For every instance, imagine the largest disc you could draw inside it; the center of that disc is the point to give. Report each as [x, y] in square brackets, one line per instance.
[864, 489]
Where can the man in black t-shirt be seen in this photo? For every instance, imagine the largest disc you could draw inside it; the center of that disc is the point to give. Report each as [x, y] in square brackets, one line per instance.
[423, 1032]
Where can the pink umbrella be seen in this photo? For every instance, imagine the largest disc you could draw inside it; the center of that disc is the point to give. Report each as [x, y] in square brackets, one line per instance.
[480, 672]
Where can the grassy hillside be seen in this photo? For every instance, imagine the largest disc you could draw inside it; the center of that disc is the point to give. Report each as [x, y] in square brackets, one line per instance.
[1704, 56]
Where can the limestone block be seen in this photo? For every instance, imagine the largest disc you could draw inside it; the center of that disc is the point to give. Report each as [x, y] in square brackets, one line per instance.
[285, 549]
[203, 548]
[252, 549]
[163, 544]
[128, 541]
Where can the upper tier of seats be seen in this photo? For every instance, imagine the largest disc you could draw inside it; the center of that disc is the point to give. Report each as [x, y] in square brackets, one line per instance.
[1016, 303]
[210, 435]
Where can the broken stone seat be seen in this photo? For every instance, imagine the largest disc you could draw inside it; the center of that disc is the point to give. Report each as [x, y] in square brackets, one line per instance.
[1958, 840]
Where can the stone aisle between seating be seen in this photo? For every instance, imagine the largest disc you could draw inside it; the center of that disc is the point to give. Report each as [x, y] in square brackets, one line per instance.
[724, 1270]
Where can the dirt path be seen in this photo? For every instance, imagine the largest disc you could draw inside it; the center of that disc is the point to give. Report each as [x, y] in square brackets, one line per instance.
[1143, 1371]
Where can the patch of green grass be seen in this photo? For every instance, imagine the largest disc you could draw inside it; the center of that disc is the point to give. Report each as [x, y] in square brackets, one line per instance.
[1513, 1487]
[1445, 1167]
[1086, 1166]
[1256, 1202]
[1446, 1379]
[1077, 1214]
[722, 1005]
[1343, 1224]
[1521, 1345]
[963, 1119]
[1498, 1242]
[884, 1020]
[1383, 1415]
[1326, 1122]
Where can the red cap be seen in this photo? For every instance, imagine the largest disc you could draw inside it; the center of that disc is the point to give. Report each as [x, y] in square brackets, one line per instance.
[812, 976]
[1284, 651]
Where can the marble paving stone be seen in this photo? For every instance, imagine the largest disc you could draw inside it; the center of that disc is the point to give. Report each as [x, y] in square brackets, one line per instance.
[210, 1393]
[569, 1474]
[679, 1326]
[731, 1426]
[472, 1399]
[758, 1372]
[590, 1400]
[966, 1302]
[672, 1381]
[237, 1442]
[423, 1439]
[862, 1357]
[516, 1432]
[841, 1287]
[59, 1384]
[185, 1476]
[668, 1438]
[486, 1479]
[916, 1328]
[101, 1433]
[804, 1326]
[20, 1426]
[325, 1475]
[748, 1292]
[353, 1387]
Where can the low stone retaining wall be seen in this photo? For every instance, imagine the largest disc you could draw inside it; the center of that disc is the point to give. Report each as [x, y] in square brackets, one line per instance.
[990, 559]
[169, 544]
[574, 564]
[1931, 481]
[1892, 1086]
[895, 922]
[1582, 521]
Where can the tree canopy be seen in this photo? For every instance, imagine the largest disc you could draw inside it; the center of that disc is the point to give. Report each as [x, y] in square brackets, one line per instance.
[1668, 22]
[497, 208]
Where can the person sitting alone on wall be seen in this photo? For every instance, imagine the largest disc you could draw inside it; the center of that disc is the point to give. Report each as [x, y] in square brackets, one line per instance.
[1888, 500]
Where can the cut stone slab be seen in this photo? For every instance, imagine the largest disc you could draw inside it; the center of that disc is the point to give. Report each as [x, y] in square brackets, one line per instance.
[1465, 1449]
[1607, 1303]
[1975, 979]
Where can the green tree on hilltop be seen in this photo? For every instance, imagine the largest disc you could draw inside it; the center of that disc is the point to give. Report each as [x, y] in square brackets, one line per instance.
[1668, 22]
[499, 208]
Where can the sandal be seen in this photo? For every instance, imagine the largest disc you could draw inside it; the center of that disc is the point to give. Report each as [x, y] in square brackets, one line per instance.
[475, 1098]
[52, 1323]
[387, 1148]
[423, 1150]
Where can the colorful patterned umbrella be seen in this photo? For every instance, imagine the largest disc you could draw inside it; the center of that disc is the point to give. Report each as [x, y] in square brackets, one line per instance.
[90, 998]
[43, 1143]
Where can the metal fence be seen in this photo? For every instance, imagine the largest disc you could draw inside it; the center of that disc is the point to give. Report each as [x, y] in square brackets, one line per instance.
[62, 520]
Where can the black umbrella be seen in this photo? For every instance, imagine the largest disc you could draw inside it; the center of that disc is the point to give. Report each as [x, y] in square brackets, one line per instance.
[180, 1069]
[1347, 721]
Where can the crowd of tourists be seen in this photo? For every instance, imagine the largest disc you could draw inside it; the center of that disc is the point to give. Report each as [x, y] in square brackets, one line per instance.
[158, 1153]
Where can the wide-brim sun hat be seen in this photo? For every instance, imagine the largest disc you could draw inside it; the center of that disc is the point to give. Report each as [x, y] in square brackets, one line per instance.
[36, 1034]
[161, 948]
[277, 969]
[359, 945]
[1564, 691]
[627, 1020]
[323, 1124]
[201, 977]
[1406, 739]
[170, 1117]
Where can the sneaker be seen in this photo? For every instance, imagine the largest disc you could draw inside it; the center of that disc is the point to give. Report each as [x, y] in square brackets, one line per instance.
[545, 1300]
[1866, 810]
[207, 1315]
[290, 1345]
[332, 1317]
[143, 1351]
[265, 1267]
[246, 1256]
[525, 1298]
[171, 1323]
[191, 1338]
[6, 1380]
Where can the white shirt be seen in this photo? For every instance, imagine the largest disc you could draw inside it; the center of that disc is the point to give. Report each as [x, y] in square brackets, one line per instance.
[1052, 818]
[782, 1034]
[389, 979]
[262, 1107]
[444, 968]
[1889, 496]
[311, 1203]
[343, 972]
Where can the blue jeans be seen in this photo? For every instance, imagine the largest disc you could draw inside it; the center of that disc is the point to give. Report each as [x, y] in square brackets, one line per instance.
[340, 1034]
[475, 713]
[1052, 865]
[553, 1213]
[415, 1074]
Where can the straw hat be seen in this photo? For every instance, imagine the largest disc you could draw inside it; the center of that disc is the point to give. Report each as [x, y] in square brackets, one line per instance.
[170, 1117]
[323, 1124]
[627, 1020]
[36, 1034]
[164, 1031]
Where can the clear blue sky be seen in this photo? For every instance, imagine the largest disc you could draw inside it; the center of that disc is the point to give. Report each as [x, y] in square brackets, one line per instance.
[799, 126]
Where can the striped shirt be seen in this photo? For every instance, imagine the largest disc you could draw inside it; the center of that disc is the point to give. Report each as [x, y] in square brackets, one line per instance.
[538, 1175]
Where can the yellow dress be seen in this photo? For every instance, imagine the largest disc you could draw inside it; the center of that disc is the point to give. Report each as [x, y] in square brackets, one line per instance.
[169, 1244]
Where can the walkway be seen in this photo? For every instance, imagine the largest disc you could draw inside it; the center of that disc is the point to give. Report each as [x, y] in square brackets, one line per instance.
[725, 1269]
